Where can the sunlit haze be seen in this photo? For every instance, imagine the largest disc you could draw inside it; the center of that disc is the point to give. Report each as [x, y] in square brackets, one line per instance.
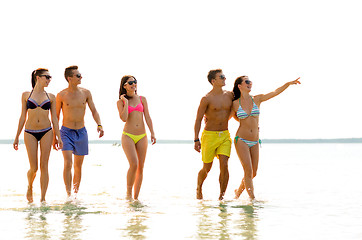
[170, 46]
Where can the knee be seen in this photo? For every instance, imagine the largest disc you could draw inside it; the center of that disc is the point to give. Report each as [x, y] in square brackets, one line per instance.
[248, 172]
[206, 170]
[67, 166]
[133, 166]
[140, 168]
[33, 169]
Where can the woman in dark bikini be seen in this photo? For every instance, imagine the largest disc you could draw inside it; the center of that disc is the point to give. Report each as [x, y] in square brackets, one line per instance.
[133, 110]
[246, 110]
[35, 106]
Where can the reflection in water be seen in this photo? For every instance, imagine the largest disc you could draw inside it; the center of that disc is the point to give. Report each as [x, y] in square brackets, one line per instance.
[247, 220]
[136, 228]
[207, 229]
[227, 221]
[73, 221]
[223, 222]
[37, 226]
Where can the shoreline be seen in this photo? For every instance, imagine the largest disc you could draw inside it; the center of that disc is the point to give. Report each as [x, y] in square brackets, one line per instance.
[264, 141]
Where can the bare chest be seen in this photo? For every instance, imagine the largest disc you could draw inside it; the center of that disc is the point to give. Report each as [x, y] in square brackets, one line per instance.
[220, 104]
[74, 100]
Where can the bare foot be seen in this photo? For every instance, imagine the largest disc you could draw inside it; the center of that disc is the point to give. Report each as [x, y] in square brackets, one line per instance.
[129, 197]
[221, 197]
[29, 194]
[199, 193]
[237, 193]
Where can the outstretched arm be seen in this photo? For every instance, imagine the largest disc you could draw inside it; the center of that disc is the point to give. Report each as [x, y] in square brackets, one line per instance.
[148, 119]
[21, 121]
[265, 97]
[200, 114]
[95, 114]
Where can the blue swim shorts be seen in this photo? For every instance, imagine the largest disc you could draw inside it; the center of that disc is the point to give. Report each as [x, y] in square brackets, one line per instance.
[75, 140]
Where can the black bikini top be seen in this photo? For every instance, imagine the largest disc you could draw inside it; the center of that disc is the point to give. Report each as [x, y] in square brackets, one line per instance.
[32, 104]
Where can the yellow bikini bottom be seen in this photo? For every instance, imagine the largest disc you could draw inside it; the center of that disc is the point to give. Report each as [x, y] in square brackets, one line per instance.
[135, 138]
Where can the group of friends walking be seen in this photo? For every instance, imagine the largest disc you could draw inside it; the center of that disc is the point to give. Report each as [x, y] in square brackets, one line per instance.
[216, 108]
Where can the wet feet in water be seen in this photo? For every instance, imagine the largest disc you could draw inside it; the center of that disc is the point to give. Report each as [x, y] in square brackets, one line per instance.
[29, 194]
[237, 193]
[199, 193]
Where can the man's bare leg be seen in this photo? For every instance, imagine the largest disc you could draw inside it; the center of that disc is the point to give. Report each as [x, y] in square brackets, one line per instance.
[224, 175]
[78, 163]
[67, 173]
[201, 178]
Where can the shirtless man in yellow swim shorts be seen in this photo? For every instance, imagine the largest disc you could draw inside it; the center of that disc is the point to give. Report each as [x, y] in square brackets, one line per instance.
[215, 138]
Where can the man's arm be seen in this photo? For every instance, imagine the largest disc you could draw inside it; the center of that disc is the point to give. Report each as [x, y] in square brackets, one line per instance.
[95, 113]
[200, 114]
[58, 107]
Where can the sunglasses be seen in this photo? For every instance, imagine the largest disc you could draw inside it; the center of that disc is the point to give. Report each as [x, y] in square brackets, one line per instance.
[78, 75]
[132, 82]
[222, 77]
[46, 76]
[247, 81]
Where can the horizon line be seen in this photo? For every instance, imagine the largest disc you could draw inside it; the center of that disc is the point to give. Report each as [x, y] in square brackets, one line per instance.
[183, 141]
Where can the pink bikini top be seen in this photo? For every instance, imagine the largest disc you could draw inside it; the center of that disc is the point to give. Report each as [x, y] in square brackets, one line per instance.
[139, 107]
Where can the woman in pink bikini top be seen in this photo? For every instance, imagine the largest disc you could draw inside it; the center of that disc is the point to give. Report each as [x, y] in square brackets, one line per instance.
[133, 110]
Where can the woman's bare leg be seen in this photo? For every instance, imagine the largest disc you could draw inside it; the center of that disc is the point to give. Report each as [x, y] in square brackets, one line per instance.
[141, 148]
[32, 148]
[129, 149]
[45, 148]
[243, 152]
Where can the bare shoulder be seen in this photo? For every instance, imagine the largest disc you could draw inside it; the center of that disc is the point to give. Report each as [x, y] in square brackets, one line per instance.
[84, 90]
[25, 94]
[229, 94]
[61, 93]
[51, 96]
[236, 103]
[257, 98]
[205, 99]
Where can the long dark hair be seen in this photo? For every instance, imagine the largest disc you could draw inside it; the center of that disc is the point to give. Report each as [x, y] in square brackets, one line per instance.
[37, 72]
[122, 90]
[236, 89]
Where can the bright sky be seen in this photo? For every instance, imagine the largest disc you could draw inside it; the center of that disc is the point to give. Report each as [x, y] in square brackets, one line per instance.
[170, 46]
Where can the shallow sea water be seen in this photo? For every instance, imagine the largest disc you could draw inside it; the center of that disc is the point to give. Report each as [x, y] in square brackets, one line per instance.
[303, 191]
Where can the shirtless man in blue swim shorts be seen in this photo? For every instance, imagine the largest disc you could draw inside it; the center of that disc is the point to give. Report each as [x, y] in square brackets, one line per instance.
[215, 139]
[72, 101]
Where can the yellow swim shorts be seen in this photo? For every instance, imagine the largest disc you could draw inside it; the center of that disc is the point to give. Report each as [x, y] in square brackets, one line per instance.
[214, 143]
